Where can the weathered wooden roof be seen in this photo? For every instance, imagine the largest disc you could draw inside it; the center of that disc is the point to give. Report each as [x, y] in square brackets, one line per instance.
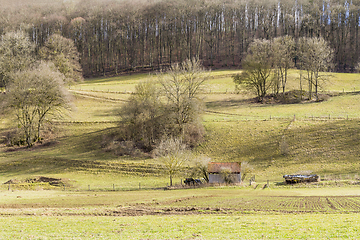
[214, 167]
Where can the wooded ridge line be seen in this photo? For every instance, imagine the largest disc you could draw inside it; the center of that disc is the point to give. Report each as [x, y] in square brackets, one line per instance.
[121, 36]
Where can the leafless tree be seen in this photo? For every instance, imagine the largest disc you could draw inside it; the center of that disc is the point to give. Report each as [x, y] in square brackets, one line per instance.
[316, 56]
[62, 52]
[181, 85]
[16, 53]
[34, 95]
[173, 154]
[143, 115]
[284, 53]
[258, 71]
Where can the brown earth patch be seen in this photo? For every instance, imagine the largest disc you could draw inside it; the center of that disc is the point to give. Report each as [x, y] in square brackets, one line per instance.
[40, 179]
[188, 206]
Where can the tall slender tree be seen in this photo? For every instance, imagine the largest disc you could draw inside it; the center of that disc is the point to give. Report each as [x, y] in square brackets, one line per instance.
[316, 56]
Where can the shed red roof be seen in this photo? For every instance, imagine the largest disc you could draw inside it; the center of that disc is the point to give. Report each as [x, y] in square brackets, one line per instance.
[214, 167]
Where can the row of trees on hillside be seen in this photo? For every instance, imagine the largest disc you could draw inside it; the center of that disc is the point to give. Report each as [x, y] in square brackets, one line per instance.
[34, 82]
[267, 64]
[113, 36]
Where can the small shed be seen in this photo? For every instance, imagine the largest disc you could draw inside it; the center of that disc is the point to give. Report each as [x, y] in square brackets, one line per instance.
[223, 172]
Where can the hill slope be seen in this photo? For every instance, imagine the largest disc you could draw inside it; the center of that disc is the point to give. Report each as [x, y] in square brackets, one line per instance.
[324, 138]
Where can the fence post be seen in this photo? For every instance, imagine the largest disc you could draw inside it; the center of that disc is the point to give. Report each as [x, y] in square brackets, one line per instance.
[139, 186]
[113, 187]
[89, 187]
[9, 187]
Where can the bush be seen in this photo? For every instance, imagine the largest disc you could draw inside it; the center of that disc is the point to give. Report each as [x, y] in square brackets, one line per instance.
[12, 137]
[227, 176]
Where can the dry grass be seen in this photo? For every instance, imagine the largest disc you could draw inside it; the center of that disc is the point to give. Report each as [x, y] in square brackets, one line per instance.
[238, 129]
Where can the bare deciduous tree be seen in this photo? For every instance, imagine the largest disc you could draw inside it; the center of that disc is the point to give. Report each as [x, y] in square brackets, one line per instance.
[246, 169]
[63, 53]
[33, 95]
[258, 71]
[173, 154]
[316, 56]
[284, 52]
[144, 116]
[200, 168]
[181, 85]
[16, 53]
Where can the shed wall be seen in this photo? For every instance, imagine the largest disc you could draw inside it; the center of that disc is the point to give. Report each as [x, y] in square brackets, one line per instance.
[217, 178]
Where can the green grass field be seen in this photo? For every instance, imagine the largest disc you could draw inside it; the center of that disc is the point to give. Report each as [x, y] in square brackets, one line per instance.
[211, 213]
[322, 139]
[102, 199]
[336, 226]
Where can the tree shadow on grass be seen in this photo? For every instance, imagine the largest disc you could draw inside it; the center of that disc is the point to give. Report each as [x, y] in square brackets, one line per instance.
[229, 103]
[77, 153]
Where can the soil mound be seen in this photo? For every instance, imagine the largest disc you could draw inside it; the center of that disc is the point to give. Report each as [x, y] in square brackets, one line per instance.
[40, 179]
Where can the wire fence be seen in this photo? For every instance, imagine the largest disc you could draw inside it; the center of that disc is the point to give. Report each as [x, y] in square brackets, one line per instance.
[308, 117]
[350, 179]
[130, 186]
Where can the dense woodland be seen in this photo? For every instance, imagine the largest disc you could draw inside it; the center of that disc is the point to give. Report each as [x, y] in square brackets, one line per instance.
[120, 35]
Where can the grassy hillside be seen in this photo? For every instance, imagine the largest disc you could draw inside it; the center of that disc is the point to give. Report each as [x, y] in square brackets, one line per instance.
[324, 138]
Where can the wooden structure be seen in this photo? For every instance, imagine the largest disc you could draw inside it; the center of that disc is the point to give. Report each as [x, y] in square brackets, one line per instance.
[224, 172]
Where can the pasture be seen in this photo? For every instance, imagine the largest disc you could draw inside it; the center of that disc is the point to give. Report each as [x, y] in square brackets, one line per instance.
[109, 196]
[211, 213]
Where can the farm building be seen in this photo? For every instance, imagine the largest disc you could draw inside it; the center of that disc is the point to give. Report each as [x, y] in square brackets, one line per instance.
[224, 172]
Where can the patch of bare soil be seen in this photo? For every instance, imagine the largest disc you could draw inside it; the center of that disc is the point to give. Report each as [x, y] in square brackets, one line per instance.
[40, 179]
[186, 206]
[274, 205]
[140, 211]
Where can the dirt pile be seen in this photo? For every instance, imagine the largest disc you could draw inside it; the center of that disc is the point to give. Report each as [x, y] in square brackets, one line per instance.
[56, 182]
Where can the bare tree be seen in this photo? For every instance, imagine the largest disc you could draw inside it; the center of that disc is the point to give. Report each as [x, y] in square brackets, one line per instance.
[246, 169]
[200, 168]
[173, 154]
[284, 52]
[169, 108]
[63, 53]
[316, 56]
[258, 71]
[16, 53]
[51, 95]
[181, 85]
[33, 95]
[143, 115]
